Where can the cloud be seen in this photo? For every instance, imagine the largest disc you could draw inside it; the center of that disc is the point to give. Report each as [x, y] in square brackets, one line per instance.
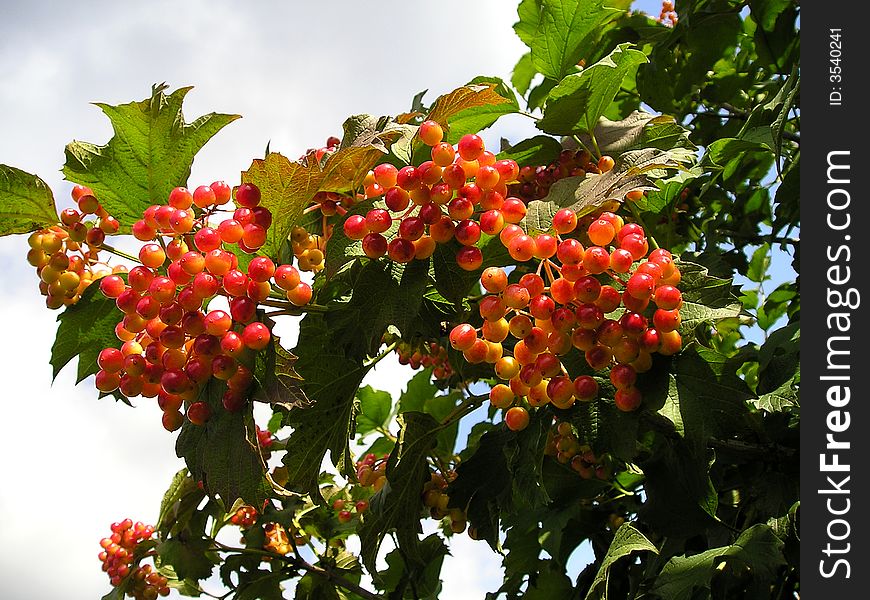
[73, 464]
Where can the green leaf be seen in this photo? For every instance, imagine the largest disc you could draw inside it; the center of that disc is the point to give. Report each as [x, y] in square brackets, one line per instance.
[85, 329]
[757, 548]
[703, 396]
[384, 293]
[26, 202]
[759, 264]
[375, 409]
[223, 453]
[151, 152]
[579, 100]
[538, 150]
[397, 506]
[286, 189]
[419, 390]
[523, 73]
[561, 32]
[311, 586]
[626, 541]
[783, 399]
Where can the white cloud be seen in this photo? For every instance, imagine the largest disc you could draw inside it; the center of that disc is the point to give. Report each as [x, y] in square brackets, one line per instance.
[72, 464]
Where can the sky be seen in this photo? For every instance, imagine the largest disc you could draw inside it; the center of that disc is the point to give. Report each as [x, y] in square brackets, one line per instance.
[72, 464]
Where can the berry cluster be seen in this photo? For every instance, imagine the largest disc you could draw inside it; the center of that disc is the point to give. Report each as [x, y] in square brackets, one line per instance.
[345, 509]
[569, 310]
[244, 517]
[459, 194]
[172, 346]
[119, 561]
[371, 471]
[534, 182]
[308, 249]
[278, 538]
[431, 354]
[563, 445]
[66, 256]
[435, 498]
[668, 15]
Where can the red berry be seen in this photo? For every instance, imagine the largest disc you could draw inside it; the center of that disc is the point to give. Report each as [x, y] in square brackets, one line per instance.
[248, 195]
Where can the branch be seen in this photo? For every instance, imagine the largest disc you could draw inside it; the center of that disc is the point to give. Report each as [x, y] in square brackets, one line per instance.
[760, 239]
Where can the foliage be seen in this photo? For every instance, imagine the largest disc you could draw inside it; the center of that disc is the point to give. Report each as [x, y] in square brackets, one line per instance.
[694, 495]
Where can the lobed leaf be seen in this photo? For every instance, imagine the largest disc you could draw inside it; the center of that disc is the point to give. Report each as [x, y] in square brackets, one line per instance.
[150, 153]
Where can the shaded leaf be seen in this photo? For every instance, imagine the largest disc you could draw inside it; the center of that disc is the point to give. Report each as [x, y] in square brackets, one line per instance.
[221, 452]
[397, 506]
[84, 329]
[26, 202]
[374, 409]
[538, 150]
[757, 547]
[586, 194]
[626, 541]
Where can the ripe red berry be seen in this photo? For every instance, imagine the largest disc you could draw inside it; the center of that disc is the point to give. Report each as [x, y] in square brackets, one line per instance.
[198, 413]
[256, 336]
[470, 146]
[516, 418]
[248, 195]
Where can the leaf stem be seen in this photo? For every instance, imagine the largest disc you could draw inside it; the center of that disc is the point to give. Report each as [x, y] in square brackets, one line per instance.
[121, 253]
[649, 235]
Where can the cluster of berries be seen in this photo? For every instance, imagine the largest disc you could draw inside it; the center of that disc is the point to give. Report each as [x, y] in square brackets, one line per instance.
[66, 256]
[668, 16]
[245, 516]
[435, 498]
[534, 182]
[119, 561]
[278, 538]
[371, 471]
[430, 354]
[171, 345]
[574, 308]
[346, 509]
[459, 194]
[563, 445]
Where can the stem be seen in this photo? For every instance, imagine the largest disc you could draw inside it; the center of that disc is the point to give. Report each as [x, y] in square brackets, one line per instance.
[636, 214]
[465, 407]
[582, 145]
[122, 254]
[382, 355]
